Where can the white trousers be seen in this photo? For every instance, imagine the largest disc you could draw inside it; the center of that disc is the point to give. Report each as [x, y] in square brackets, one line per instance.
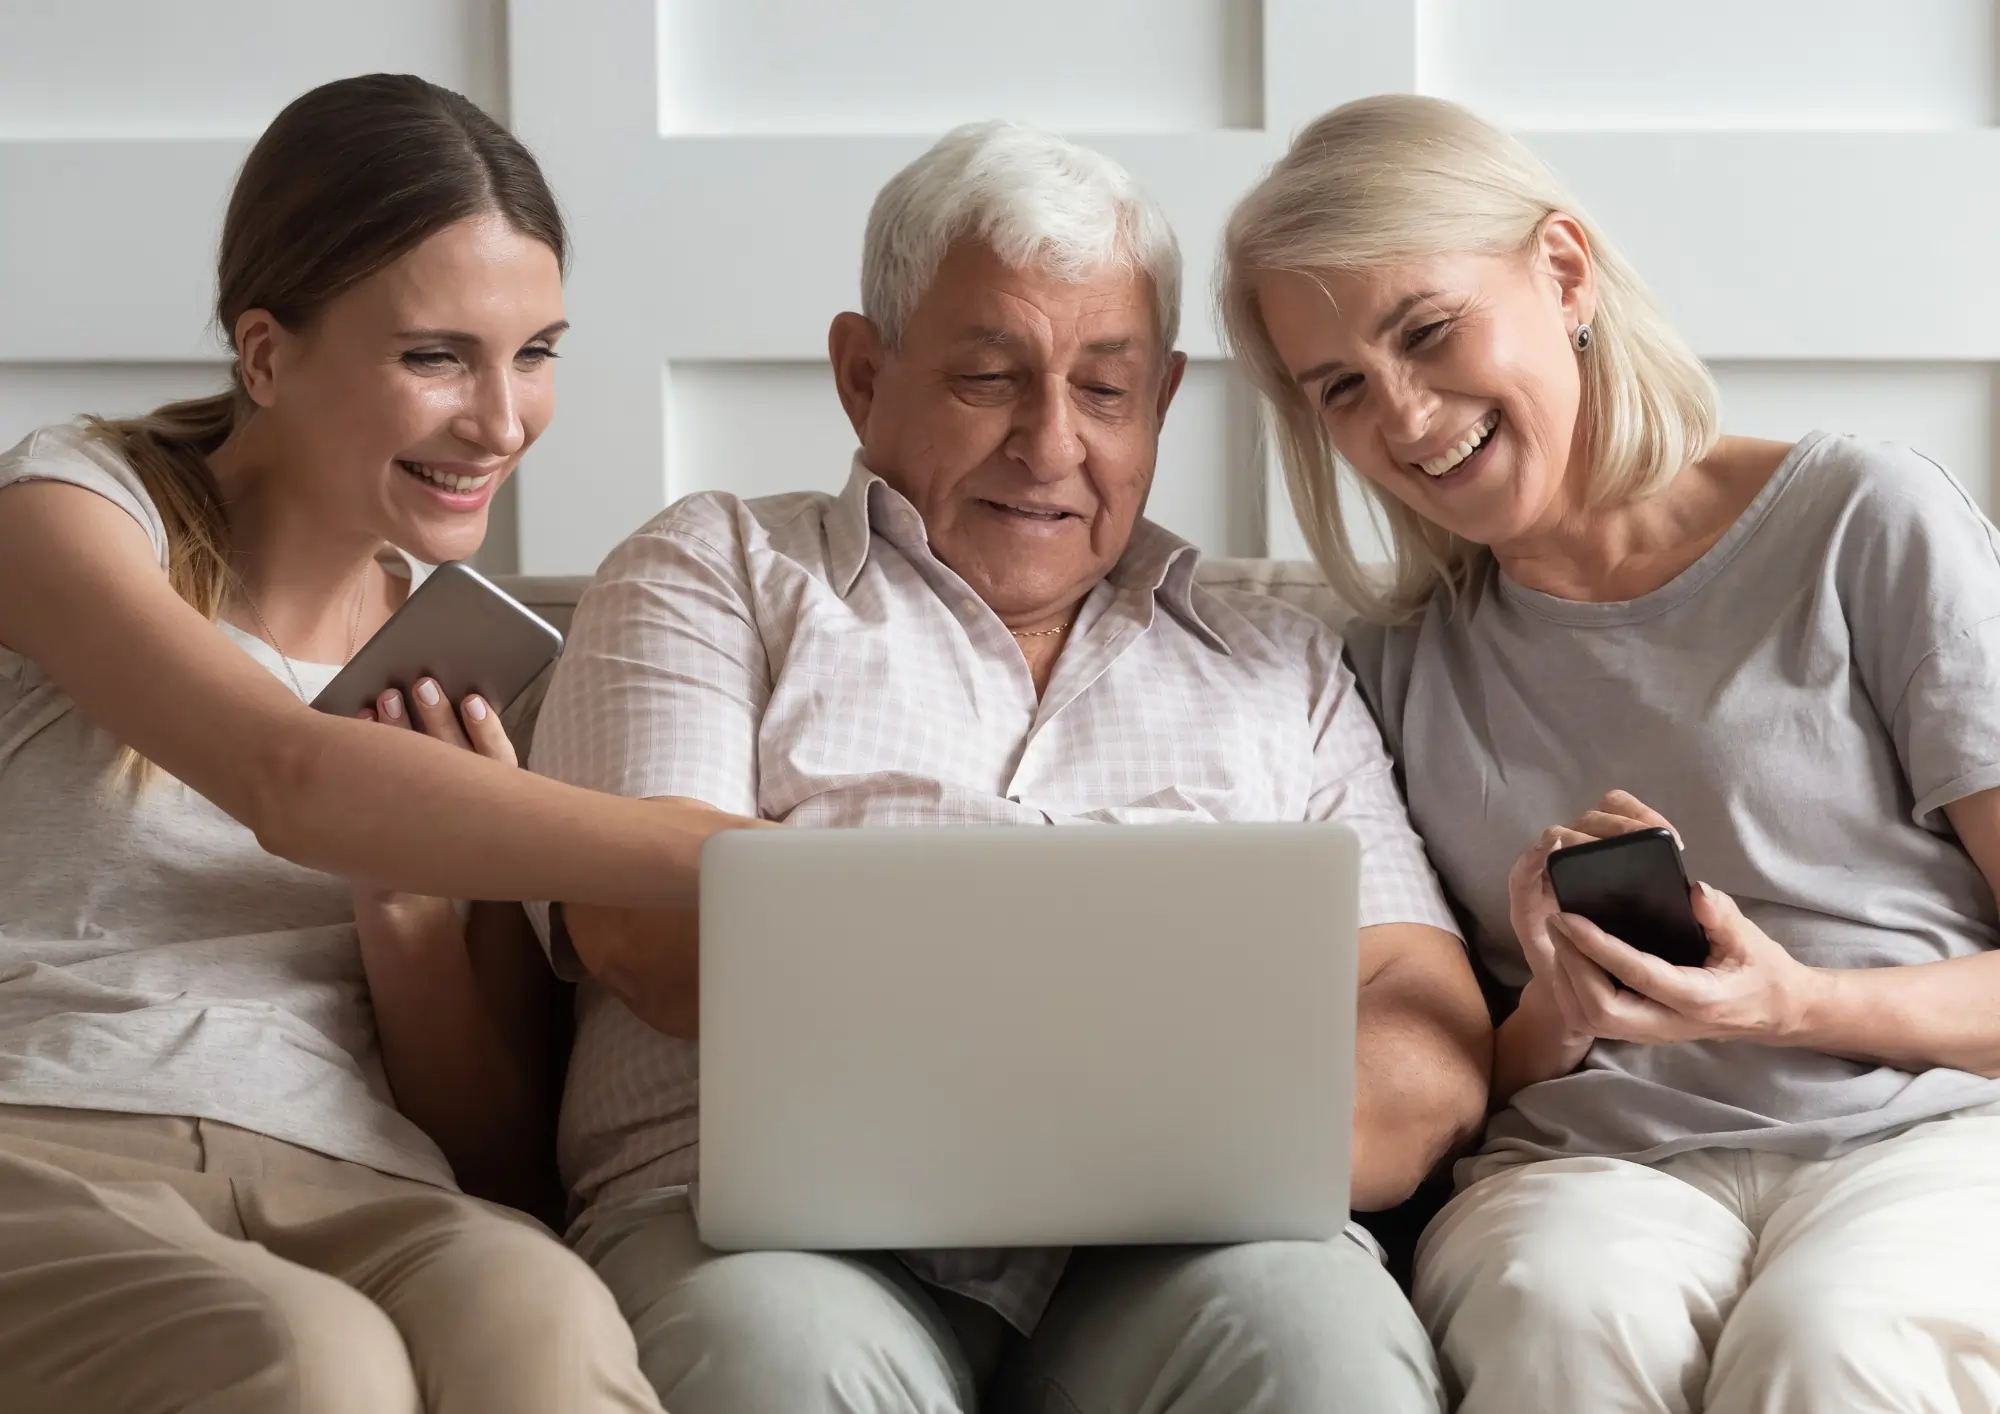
[1726, 1281]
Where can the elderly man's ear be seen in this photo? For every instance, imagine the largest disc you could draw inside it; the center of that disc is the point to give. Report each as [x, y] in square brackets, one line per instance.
[854, 346]
[1171, 384]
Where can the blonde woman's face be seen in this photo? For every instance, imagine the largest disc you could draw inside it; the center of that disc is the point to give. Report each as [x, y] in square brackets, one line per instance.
[411, 399]
[1450, 382]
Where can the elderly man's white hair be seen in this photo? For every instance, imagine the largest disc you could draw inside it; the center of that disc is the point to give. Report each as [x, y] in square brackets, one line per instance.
[1037, 201]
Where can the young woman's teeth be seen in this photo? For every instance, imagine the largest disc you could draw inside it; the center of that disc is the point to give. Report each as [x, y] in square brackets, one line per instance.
[445, 479]
[1474, 440]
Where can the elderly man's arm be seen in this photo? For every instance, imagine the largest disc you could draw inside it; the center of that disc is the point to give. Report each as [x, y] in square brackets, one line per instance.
[1424, 1044]
[658, 695]
[1423, 1054]
[650, 959]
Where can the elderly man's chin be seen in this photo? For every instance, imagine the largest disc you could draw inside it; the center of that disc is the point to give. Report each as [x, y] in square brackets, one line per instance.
[1026, 571]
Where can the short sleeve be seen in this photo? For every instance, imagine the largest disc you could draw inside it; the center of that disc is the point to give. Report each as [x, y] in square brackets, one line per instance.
[1919, 575]
[70, 454]
[662, 685]
[1354, 782]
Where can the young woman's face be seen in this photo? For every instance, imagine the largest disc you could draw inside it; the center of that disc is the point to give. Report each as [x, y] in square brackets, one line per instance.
[410, 400]
[1450, 382]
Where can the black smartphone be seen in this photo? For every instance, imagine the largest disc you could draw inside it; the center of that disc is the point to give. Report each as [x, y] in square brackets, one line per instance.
[1635, 888]
[457, 627]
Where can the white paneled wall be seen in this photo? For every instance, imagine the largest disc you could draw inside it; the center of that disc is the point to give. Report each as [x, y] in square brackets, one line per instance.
[1714, 65]
[886, 66]
[1809, 184]
[134, 69]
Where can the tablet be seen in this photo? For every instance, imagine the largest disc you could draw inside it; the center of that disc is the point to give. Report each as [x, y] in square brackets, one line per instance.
[458, 627]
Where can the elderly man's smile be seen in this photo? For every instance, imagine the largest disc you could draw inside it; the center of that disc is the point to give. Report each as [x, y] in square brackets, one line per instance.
[1028, 517]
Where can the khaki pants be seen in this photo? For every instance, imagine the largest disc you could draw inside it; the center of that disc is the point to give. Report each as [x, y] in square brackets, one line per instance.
[150, 1264]
[1262, 1328]
[1726, 1281]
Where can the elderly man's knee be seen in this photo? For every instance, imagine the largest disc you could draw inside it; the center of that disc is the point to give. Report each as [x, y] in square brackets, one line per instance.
[1323, 1319]
[802, 1332]
[1265, 1327]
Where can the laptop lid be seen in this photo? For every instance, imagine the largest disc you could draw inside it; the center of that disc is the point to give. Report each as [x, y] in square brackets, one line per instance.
[971, 1037]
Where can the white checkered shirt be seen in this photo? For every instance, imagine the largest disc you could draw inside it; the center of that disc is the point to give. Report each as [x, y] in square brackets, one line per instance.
[807, 658]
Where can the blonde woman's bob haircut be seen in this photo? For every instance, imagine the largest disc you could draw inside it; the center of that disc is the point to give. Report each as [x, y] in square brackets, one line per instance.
[1389, 179]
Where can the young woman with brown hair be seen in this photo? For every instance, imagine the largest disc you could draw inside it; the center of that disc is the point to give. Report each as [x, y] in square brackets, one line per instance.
[224, 918]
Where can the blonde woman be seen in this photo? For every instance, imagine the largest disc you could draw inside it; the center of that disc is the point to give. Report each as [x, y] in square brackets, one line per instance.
[1771, 1183]
[240, 1031]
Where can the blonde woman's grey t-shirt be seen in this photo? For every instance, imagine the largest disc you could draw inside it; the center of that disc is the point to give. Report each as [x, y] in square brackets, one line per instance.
[1802, 703]
[154, 959]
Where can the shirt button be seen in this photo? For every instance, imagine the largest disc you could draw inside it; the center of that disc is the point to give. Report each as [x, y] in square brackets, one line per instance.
[968, 606]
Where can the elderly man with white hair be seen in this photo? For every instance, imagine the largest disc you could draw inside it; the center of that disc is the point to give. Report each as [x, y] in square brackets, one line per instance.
[981, 628]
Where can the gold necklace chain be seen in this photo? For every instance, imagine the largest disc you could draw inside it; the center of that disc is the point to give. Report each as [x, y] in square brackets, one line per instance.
[353, 629]
[1040, 632]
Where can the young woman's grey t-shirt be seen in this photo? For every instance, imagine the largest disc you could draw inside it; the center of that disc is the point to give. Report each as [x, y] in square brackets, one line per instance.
[1802, 703]
[154, 959]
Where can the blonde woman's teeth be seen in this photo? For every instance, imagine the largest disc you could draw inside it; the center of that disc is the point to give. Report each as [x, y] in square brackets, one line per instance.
[447, 480]
[1475, 439]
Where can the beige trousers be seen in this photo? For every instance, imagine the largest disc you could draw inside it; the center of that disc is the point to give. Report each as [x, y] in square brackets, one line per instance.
[150, 1264]
[1726, 1281]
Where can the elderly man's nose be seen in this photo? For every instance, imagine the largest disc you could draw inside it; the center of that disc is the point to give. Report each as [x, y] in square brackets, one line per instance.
[1045, 436]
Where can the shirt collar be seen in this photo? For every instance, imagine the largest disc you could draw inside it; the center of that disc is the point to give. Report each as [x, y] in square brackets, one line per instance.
[1156, 561]
[847, 527]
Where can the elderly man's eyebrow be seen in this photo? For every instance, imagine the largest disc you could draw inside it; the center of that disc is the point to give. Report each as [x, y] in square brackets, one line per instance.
[985, 336]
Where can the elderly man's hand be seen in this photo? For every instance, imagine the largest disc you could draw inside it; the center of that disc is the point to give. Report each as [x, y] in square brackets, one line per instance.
[650, 958]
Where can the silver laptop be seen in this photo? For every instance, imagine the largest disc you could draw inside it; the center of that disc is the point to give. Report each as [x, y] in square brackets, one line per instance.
[971, 1037]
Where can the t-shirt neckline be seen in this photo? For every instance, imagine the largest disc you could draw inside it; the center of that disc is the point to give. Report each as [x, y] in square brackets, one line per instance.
[1682, 586]
[314, 677]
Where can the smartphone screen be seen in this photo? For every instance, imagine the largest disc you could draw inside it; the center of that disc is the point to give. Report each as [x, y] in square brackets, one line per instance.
[1634, 888]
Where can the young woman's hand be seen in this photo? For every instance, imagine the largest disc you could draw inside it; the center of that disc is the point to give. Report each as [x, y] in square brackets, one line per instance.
[474, 726]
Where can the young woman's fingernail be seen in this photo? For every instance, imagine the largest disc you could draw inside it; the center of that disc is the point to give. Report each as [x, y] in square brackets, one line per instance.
[427, 693]
[475, 708]
[392, 706]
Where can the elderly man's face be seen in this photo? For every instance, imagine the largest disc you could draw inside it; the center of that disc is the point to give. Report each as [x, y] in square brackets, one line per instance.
[1021, 416]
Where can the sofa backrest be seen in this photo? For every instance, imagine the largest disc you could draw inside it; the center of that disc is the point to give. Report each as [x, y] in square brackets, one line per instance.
[1295, 581]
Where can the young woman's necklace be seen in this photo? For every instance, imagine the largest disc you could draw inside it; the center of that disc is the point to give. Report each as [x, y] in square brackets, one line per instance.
[353, 629]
